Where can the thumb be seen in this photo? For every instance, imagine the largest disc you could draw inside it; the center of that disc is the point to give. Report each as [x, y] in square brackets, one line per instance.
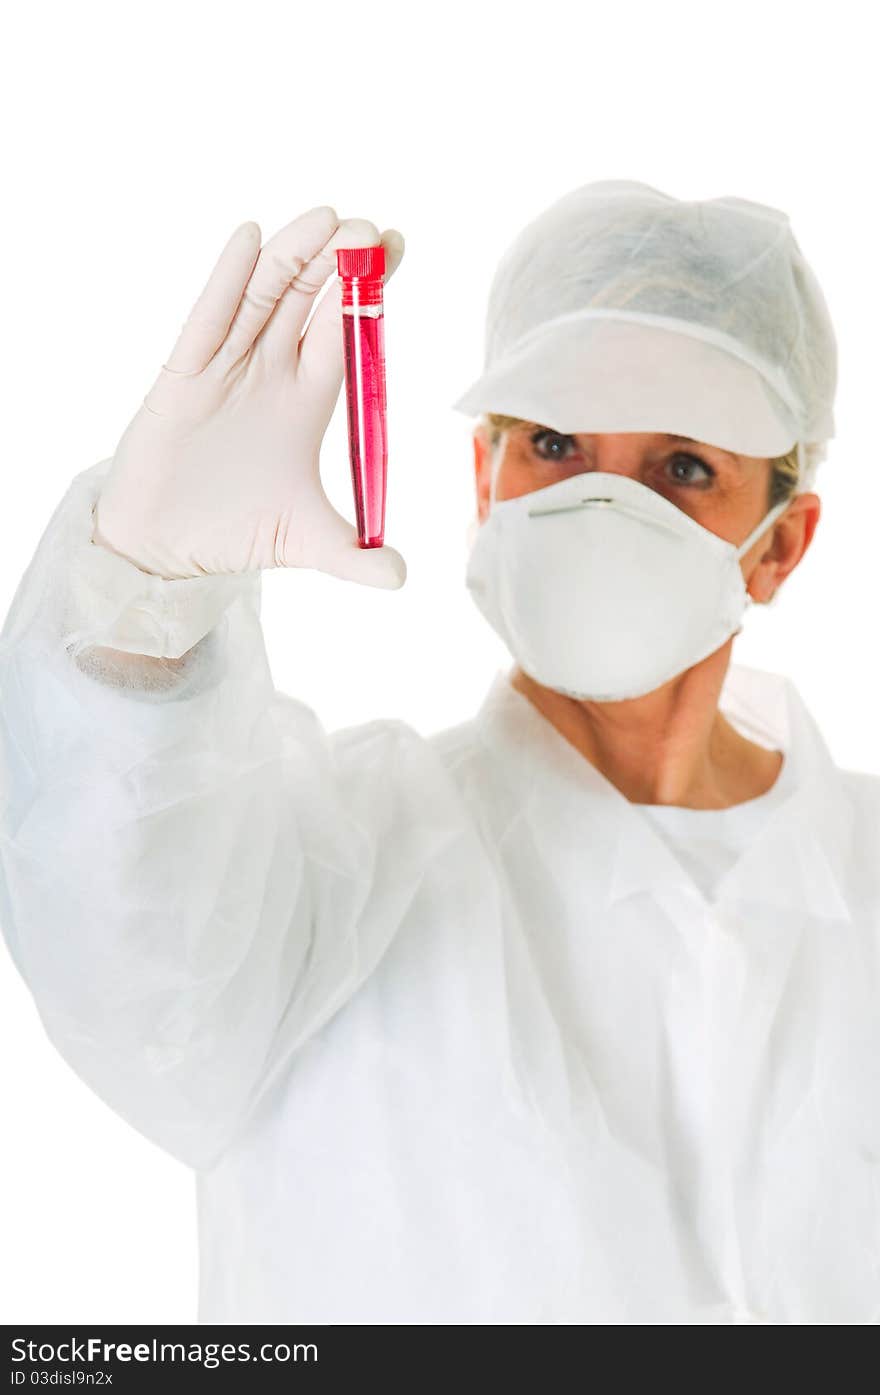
[335, 550]
[371, 566]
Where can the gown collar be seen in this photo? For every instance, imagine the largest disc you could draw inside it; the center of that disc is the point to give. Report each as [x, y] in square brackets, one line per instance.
[596, 840]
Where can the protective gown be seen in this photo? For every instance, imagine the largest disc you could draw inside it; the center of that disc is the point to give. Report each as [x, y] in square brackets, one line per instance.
[446, 1032]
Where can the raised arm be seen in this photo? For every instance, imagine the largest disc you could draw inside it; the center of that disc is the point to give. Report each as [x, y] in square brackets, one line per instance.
[186, 857]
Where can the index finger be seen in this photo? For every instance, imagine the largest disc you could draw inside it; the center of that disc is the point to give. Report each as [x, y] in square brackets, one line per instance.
[280, 263]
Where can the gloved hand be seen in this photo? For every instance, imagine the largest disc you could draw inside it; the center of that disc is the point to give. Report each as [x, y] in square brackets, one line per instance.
[218, 472]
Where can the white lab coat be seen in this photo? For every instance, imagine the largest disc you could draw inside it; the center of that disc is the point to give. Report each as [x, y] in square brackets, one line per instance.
[446, 1031]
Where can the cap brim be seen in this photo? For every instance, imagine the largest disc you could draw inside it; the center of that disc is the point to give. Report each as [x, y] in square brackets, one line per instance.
[608, 375]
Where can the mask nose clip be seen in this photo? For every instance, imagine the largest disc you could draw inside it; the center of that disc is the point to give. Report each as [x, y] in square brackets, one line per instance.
[567, 508]
[605, 501]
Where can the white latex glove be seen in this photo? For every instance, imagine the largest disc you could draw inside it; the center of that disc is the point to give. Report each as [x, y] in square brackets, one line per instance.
[218, 472]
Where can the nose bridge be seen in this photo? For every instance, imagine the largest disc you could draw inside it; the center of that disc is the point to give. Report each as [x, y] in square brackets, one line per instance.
[615, 453]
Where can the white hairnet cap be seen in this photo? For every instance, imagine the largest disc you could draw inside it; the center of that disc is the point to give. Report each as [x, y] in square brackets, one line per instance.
[621, 308]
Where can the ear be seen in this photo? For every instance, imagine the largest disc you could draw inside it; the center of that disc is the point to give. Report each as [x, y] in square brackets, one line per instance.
[482, 470]
[779, 554]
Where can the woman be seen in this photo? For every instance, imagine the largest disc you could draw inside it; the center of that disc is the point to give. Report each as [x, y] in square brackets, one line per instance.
[566, 1014]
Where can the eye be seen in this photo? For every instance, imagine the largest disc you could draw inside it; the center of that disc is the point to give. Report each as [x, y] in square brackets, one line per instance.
[551, 445]
[690, 469]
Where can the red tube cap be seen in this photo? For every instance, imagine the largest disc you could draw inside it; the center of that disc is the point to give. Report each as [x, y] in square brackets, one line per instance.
[362, 262]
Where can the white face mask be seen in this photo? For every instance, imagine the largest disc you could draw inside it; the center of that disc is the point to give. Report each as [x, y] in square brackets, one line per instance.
[602, 589]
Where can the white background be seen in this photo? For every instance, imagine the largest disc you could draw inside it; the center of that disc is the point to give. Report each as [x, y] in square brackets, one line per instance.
[136, 139]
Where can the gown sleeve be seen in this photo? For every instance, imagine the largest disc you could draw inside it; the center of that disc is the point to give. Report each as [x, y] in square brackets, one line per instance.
[194, 874]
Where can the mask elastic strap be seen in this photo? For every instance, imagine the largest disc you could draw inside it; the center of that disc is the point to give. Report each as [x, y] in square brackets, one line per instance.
[766, 521]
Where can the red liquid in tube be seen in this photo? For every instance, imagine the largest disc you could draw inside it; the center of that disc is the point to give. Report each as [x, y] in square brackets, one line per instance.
[363, 331]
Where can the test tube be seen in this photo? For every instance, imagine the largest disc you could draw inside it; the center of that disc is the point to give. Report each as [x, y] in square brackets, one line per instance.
[363, 337]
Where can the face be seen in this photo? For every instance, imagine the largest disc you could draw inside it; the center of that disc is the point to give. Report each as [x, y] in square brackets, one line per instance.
[724, 492]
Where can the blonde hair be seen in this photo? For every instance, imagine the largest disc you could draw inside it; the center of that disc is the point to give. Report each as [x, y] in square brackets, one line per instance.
[784, 471]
